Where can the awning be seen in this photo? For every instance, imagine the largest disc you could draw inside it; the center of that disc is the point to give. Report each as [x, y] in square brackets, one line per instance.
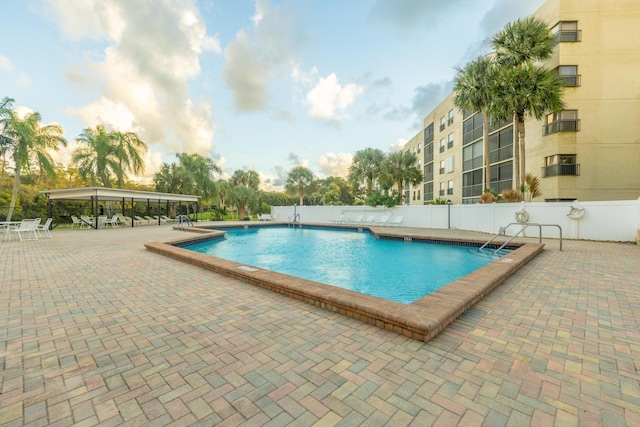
[117, 194]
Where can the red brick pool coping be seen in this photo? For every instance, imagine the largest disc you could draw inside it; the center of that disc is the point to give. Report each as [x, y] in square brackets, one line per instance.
[421, 320]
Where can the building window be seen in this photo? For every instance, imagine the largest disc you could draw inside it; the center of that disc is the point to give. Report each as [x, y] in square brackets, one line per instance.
[472, 129]
[442, 145]
[569, 75]
[450, 119]
[418, 194]
[443, 123]
[472, 183]
[472, 156]
[448, 164]
[442, 166]
[450, 187]
[450, 142]
[419, 147]
[560, 164]
[501, 177]
[428, 172]
[414, 194]
[442, 188]
[428, 152]
[501, 145]
[563, 121]
[428, 134]
[428, 192]
[566, 32]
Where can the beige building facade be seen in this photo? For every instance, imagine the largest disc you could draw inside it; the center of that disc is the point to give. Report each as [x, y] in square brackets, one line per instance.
[589, 151]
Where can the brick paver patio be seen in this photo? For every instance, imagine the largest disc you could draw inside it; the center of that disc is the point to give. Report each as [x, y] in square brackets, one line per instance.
[96, 330]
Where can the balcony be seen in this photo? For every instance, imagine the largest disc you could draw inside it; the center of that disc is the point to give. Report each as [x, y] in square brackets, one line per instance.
[563, 125]
[561, 169]
[449, 191]
[571, 81]
[568, 36]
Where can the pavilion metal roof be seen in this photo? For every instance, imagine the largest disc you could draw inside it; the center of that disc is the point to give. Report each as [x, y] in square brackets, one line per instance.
[117, 194]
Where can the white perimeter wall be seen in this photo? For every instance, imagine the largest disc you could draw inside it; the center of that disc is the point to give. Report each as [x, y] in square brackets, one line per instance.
[607, 221]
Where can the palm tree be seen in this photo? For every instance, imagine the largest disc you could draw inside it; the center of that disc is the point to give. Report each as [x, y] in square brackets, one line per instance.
[30, 143]
[300, 181]
[366, 166]
[242, 198]
[130, 151]
[525, 89]
[249, 179]
[200, 169]
[105, 154]
[473, 91]
[400, 167]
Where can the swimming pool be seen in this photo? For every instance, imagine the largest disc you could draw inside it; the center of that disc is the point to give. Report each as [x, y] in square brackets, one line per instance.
[422, 319]
[389, 269]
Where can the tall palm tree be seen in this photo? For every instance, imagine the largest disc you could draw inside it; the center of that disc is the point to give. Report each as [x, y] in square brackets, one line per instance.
[366, 166]
[400, 167]
[473, 91]
[103, 154]
[30, 143]
[300, 181]
[201, 170]
[249, 179]
[525, 88]
[130, 151]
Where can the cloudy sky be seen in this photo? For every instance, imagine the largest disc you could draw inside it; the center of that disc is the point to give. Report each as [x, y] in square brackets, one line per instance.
[254, 84]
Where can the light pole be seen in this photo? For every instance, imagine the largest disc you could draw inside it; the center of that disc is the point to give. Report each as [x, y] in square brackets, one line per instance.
[449, 214]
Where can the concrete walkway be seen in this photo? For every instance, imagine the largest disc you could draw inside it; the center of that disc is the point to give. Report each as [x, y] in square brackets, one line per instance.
[96, 330]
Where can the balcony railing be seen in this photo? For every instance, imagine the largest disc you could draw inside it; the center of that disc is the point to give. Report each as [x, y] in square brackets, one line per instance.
[571, 169]
[562, 125]
[568, 36]
[571, 81]
[449, 190]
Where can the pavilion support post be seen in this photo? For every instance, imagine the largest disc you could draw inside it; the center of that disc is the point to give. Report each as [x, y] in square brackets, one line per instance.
[133, 213]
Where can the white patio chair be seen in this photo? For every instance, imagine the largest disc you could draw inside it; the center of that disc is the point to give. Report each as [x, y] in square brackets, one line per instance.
[28, 228]
[44, 228]
[76, 223]
[113, 221]
[396, 221]
[86, 221]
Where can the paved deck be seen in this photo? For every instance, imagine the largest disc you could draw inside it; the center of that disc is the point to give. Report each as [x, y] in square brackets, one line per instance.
[96, 330]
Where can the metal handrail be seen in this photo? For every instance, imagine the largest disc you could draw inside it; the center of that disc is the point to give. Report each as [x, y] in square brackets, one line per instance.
[524, 227]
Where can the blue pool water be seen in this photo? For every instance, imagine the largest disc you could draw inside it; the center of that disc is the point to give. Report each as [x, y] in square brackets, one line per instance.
[389, 269]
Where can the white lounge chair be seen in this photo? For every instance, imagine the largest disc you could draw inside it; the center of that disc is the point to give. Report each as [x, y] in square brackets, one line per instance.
[383, 220]
[357, 220]
[27, 227]
[370, 219]
[44, 228]
[396, 221]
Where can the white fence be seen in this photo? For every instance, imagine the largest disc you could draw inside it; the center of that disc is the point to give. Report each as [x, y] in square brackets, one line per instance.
[606, 221]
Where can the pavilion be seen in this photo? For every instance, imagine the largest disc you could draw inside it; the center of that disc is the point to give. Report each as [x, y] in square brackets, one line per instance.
[97, 195]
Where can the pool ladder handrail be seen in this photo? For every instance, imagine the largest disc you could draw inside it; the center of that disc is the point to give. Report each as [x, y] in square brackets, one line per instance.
[295, 219]
[524, 227]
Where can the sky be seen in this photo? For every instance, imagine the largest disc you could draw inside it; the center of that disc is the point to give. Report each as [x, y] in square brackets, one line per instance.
[262, 85]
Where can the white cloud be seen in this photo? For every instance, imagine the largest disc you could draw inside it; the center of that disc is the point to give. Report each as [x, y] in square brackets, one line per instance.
[23, 80]
[258, 56]
[328, 98]
[332, 164]
[398, 145]
[153, 51]
[5, 64]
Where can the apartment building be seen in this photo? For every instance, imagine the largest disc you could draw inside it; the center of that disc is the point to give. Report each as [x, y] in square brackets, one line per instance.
[589, 151]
